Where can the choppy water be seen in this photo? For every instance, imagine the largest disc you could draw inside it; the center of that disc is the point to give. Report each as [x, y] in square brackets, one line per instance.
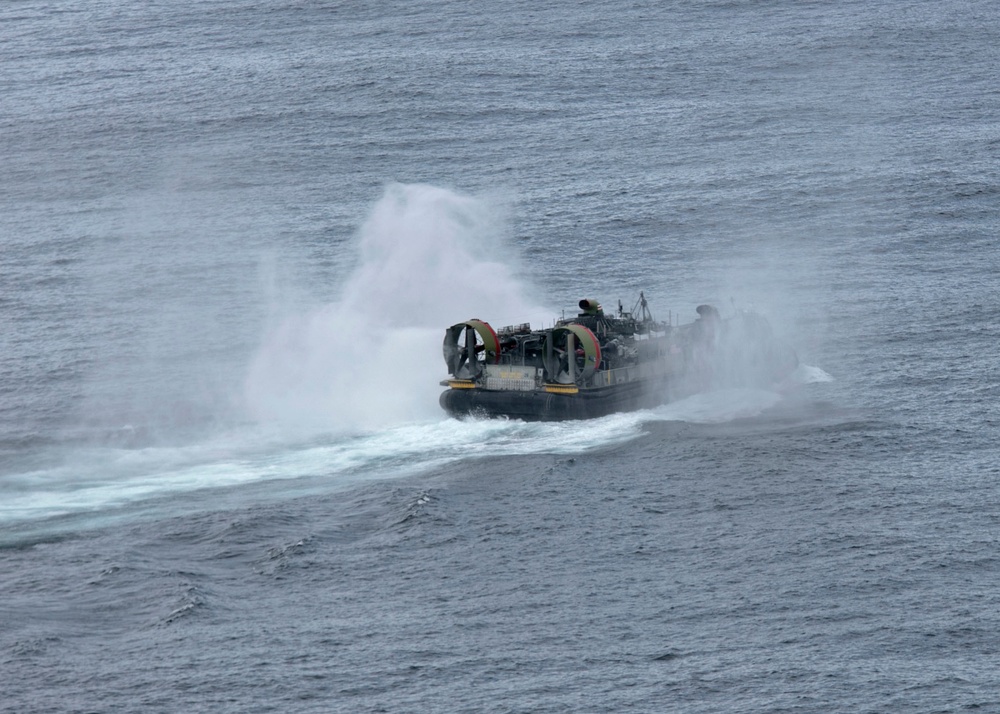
[231, 235]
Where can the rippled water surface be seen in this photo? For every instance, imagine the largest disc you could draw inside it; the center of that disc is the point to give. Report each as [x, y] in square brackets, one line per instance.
[231, 236]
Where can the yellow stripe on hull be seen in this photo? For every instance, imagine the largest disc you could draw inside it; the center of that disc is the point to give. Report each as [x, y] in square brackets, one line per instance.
[461, 384]
[561, 389]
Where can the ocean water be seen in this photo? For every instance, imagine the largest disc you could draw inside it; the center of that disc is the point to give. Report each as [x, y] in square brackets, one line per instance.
[231, 237]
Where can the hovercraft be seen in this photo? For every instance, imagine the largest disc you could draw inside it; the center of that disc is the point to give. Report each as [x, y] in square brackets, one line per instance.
[596, 364]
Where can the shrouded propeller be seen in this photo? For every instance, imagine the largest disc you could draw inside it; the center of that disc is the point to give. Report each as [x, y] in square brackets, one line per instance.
[468, 346]
[571, 355]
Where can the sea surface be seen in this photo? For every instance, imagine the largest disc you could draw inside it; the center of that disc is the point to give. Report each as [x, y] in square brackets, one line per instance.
[233, 233]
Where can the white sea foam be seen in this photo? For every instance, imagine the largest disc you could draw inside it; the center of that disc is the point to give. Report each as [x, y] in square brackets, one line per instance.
[99, 479]
[96, 480]
[808, 374]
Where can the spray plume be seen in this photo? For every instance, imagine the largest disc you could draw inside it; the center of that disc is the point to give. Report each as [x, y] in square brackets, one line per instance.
[428, 257]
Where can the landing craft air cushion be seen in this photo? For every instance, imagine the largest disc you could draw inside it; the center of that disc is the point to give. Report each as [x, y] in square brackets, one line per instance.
[595, 364]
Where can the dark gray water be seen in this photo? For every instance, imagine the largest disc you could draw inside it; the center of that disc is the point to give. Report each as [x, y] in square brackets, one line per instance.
[231, 237]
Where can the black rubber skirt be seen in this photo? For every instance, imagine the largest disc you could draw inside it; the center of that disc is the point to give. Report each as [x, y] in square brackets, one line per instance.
[549, 406]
